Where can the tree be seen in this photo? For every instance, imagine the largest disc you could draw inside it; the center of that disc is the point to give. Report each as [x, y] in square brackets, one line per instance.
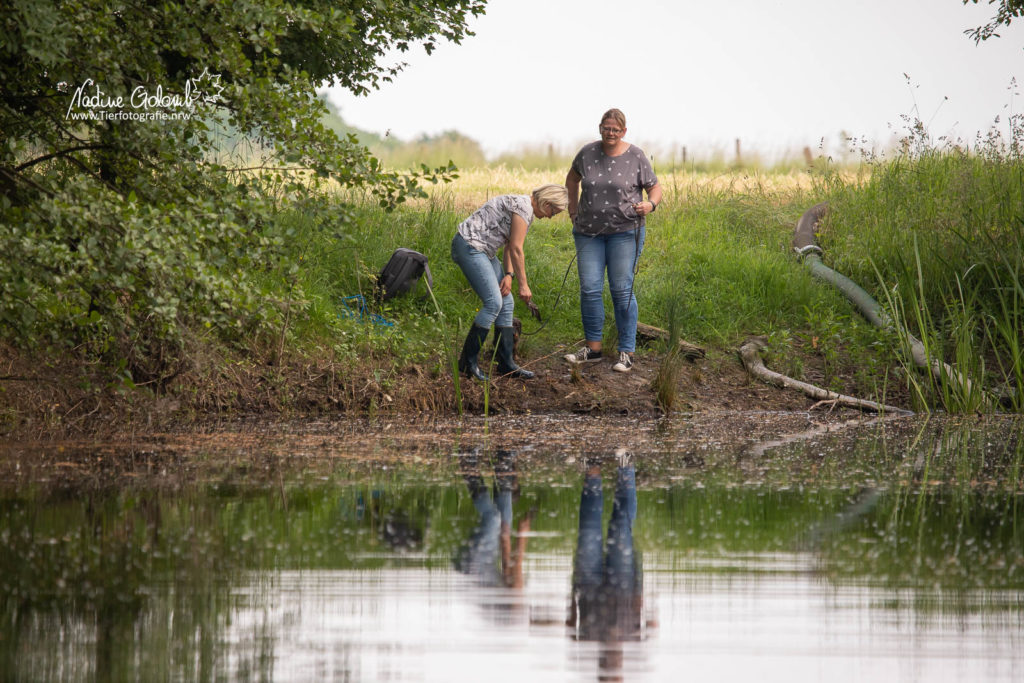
[120, 225]
[1006, 12]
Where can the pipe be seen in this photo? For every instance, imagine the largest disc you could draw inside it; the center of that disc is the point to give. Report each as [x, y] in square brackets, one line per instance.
[806, 246]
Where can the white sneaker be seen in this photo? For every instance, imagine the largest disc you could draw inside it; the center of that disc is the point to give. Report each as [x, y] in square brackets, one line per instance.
[584, 355]
[625, 363]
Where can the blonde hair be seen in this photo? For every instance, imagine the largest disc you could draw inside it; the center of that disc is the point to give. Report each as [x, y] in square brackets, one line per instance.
[616, 115]
[551, 195]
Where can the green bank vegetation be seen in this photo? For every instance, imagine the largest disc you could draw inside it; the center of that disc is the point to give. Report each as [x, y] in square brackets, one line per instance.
[936, 235]
[129, 252]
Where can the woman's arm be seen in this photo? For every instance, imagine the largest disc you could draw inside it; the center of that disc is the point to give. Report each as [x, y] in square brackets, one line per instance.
[505, 285]
[653, 199]
[654, 194]
[515, 257]
[572, 184]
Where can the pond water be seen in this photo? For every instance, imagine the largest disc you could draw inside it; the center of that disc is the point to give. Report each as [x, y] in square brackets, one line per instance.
[714, 547]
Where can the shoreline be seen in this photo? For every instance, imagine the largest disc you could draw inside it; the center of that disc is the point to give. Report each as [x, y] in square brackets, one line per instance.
[55, 401]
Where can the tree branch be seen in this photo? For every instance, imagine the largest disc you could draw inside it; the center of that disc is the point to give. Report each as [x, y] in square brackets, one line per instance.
[59, 153]
[751, 357]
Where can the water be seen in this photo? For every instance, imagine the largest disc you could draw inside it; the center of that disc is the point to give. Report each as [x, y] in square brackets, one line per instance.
[723, 547]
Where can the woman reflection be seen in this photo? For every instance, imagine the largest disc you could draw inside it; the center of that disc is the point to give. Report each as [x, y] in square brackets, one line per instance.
[492, 535]
[606, 604]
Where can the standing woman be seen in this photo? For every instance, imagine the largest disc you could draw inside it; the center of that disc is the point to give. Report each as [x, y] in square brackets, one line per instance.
[608, 228]
[501, 222]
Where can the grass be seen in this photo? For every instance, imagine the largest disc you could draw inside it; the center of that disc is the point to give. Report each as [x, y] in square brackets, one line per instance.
[666, 381]
[936, 235]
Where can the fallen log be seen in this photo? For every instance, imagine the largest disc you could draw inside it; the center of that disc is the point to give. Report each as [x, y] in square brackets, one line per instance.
[648, 333]
[750, 354]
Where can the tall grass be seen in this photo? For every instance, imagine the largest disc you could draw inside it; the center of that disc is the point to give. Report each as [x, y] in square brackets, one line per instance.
[1000, 276]
[940, 232]
[957, 388]
[666, 381]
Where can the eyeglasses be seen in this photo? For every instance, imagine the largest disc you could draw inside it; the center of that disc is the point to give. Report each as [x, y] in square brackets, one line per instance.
[609, 129]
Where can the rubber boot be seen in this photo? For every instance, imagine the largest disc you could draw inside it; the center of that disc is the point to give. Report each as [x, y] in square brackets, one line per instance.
[506, 364]
[471, 352]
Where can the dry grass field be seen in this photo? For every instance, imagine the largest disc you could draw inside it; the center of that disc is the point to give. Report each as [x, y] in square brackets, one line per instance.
[476, 185]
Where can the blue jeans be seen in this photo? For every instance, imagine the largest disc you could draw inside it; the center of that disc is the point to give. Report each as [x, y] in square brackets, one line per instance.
[612, 564]
[484, 274]
[618, 254]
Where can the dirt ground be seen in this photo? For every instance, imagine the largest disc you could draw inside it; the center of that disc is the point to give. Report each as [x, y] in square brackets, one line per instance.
[701, 384]
[55, 399]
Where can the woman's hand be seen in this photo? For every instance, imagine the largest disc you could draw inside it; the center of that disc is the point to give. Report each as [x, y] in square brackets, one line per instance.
[643, 208]
[505, 286]
[524, 292]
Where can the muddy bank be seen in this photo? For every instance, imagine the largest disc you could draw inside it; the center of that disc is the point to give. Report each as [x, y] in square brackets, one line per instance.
[44, 397]
[266, 451]
[742, 448]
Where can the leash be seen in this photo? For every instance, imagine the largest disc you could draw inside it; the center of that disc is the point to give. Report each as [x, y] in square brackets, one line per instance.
[558, 298]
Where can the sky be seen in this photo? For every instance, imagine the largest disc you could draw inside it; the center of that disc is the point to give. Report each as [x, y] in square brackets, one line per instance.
[778, 75]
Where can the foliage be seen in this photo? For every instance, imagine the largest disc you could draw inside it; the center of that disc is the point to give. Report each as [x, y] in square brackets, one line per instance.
[119, 231]
[1006, 12]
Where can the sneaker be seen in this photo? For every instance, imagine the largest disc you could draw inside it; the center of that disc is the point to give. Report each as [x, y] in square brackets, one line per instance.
[624, 457]
[584, 355]
[625, 363]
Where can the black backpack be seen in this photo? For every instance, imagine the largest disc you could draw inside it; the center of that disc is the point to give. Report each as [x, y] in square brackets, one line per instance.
[402, 272]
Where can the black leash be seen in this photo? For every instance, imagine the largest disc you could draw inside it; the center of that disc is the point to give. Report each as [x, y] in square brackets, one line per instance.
[565, 278]
[558, 298]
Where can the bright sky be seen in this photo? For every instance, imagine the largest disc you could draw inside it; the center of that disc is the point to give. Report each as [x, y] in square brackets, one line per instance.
[777, 74]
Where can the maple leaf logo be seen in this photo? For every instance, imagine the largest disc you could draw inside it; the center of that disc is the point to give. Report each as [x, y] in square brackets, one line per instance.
[206, 89]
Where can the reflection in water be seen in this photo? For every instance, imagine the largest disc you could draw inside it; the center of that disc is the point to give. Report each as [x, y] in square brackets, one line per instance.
[606, 604]
[397, 528]
[492, 534]
[896, 558]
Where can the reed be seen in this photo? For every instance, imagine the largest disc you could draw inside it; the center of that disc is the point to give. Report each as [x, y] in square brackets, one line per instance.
[666, 381]
[1001, 277]
[939, 233]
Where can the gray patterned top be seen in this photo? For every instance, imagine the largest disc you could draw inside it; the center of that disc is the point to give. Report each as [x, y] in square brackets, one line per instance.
[611, 185]
[487, 229]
